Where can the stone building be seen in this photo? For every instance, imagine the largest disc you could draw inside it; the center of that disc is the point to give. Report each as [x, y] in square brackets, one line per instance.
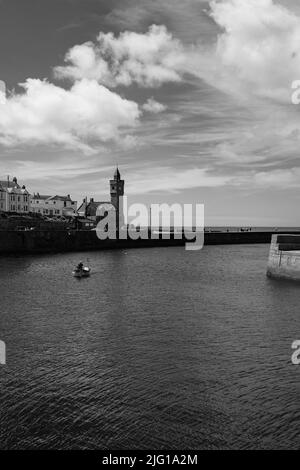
[13, 197]
[53, 206]
[92, 208]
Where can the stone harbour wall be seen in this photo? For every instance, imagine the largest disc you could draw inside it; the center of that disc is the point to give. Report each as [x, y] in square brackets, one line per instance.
[284, 257]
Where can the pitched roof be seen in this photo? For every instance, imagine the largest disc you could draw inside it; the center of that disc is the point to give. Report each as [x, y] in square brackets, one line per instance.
[51, 198]
[60, 198]
[40, 196]
[91, 208]
[9, 184]
[13, 188]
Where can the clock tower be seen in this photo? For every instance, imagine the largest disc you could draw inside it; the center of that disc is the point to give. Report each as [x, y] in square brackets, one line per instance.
[116, 197]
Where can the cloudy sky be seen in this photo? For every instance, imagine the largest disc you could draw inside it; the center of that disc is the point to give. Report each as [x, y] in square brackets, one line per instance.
[192, 98]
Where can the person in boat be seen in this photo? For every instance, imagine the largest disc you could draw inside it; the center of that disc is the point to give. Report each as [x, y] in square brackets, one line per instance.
[79, 266]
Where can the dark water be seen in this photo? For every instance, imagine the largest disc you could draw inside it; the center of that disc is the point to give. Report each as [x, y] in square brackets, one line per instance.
[160, 348]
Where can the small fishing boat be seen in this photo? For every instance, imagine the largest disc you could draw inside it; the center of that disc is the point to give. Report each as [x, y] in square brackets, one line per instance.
[81, 271]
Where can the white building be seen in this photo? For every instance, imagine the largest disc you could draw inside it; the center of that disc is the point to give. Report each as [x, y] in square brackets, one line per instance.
[13, 197]
[53, 206]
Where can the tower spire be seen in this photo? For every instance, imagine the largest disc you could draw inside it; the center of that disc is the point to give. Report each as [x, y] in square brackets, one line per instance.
[117, 174]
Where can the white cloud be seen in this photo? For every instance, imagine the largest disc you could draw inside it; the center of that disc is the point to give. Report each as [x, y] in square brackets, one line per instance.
[175, 180]
[79, 118]
[258, 51]
[153, 106]
[88, 113]
[278, 178]
[256, 54]
[149, 59]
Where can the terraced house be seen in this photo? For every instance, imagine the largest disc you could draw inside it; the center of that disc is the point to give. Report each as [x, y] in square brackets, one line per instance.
[13, 197]
[53, 206]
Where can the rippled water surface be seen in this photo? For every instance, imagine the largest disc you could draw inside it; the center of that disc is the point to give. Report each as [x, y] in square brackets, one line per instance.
[160, 348]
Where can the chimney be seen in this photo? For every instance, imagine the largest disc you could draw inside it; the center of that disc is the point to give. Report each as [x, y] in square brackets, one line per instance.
[92, 199]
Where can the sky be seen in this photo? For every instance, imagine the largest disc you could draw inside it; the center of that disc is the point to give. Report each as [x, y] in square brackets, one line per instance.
[191, 98]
